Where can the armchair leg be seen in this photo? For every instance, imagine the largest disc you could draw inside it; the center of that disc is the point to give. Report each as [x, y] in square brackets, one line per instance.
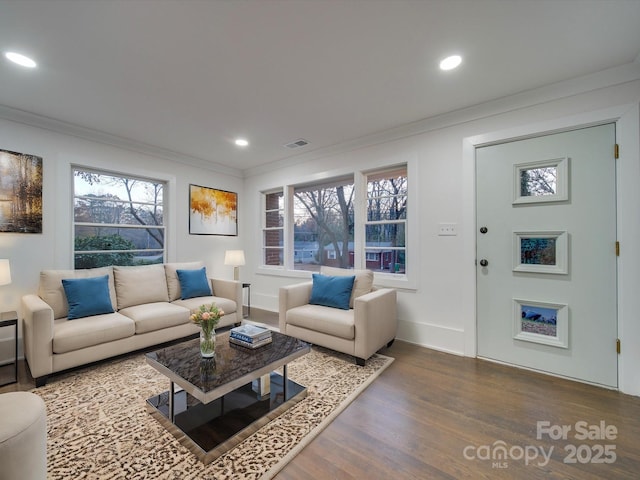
[391, 342]
[360, 361]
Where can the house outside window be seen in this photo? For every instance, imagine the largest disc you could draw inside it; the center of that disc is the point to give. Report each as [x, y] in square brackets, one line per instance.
[273, 229]
[372, 256]
[117, 219]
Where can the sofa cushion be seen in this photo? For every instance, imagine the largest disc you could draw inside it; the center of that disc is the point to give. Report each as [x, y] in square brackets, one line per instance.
[362, 285]
[156, 316]
[193, 283]
[139, 285]
[173, 284]
[191, 304]
[87, 296]
[331, 291]
[331, 321]
[51, 291]
[70, 335]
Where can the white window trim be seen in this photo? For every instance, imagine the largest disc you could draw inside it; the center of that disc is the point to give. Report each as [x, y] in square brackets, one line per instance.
[169, 198]
[263, 228]
[408, 280]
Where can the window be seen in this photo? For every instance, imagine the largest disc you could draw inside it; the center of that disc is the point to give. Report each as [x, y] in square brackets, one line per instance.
[118, 220]
[356, 221]
[323, 224]
[273, 229]
[386, 225]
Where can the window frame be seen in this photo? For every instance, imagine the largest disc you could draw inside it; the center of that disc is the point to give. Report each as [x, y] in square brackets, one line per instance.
[326, 183]
[407, 280]
[167, 197]
[366, 222]
[264, 228]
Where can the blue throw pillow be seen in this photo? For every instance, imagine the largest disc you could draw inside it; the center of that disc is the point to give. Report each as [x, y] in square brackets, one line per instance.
[87, 296]
[331, 291]
[193, 283]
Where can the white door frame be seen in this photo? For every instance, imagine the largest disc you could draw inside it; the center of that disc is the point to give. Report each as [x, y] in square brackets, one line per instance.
[627, 120]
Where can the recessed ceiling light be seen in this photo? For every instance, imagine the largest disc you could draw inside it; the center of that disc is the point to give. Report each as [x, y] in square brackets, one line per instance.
[242, 142]
[20, 59]
[451, 62]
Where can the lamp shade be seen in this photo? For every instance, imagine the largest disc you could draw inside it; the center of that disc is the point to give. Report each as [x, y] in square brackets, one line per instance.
[234, 257]
[5, 272]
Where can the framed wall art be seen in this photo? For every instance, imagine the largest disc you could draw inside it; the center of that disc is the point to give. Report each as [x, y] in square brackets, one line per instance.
[20, 192]
[541, 322]
[212, 211]
[540, 252]
[541, 181]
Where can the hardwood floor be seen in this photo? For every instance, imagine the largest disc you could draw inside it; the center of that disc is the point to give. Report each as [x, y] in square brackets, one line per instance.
[420, 417]
[432, 415]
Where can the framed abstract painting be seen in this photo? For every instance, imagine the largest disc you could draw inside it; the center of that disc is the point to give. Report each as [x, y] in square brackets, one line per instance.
[212, 211]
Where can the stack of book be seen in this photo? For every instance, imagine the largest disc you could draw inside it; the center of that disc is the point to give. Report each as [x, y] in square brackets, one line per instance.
[250, 336]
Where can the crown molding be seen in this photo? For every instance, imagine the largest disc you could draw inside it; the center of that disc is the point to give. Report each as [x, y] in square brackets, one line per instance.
[576, 86]
[85, 133]
[606, 78]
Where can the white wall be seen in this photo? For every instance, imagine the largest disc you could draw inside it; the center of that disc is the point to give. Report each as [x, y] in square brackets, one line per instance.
[440, 312]
[30, 253]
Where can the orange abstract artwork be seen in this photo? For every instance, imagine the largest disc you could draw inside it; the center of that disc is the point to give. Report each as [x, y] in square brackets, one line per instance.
[212, 211]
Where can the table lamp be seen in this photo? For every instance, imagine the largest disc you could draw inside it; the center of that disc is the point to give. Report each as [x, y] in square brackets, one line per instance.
[236, 259]
[5, 272]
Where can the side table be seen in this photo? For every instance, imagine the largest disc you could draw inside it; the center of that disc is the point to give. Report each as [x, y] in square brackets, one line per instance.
[248, 287]
[8, 319]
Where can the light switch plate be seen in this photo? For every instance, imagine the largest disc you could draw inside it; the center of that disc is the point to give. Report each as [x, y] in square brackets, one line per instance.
[447, 229]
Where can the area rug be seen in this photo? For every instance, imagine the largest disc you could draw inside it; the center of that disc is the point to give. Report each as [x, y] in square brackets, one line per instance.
[98, 426]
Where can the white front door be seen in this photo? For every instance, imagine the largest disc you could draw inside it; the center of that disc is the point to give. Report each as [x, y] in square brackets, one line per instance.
[546, 254]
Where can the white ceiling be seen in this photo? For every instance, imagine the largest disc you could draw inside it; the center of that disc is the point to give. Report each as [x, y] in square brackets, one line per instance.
[189, 76]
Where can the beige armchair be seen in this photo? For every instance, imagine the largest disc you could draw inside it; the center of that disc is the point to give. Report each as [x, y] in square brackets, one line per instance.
[365, 328]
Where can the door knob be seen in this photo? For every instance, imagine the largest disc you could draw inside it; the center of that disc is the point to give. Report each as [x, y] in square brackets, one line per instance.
[484, 263]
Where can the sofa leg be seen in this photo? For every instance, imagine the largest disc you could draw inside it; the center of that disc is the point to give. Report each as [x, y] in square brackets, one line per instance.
[391, 342]
[41, 381]
[360, 361]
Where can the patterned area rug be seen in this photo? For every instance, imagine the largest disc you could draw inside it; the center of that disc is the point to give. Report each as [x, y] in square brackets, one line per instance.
[99, 428]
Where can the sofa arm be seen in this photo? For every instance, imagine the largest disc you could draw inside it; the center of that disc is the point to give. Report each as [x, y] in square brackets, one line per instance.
[376, 321]
[290, 297]
[229, 289]
[37, 334]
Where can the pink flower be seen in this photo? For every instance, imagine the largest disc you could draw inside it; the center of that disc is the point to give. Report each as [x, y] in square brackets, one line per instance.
[206, 315]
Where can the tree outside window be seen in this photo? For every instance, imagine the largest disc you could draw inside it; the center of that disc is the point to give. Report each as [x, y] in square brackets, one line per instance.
[324, 219]
[323, 225]
[118, 220]
[386, 224]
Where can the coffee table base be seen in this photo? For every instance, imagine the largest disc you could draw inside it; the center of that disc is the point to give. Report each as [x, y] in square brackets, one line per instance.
[209, 430]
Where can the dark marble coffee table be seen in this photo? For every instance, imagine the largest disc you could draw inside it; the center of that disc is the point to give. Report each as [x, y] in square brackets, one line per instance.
[214, 404]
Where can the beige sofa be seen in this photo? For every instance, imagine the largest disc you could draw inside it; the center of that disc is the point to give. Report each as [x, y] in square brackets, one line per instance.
[369, 324]
[148, 310]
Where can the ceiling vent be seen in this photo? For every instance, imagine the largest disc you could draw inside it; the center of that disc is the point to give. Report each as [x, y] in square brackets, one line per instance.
[301, 142]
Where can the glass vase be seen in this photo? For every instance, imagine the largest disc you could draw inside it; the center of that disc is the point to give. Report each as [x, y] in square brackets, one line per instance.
[207, 342]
